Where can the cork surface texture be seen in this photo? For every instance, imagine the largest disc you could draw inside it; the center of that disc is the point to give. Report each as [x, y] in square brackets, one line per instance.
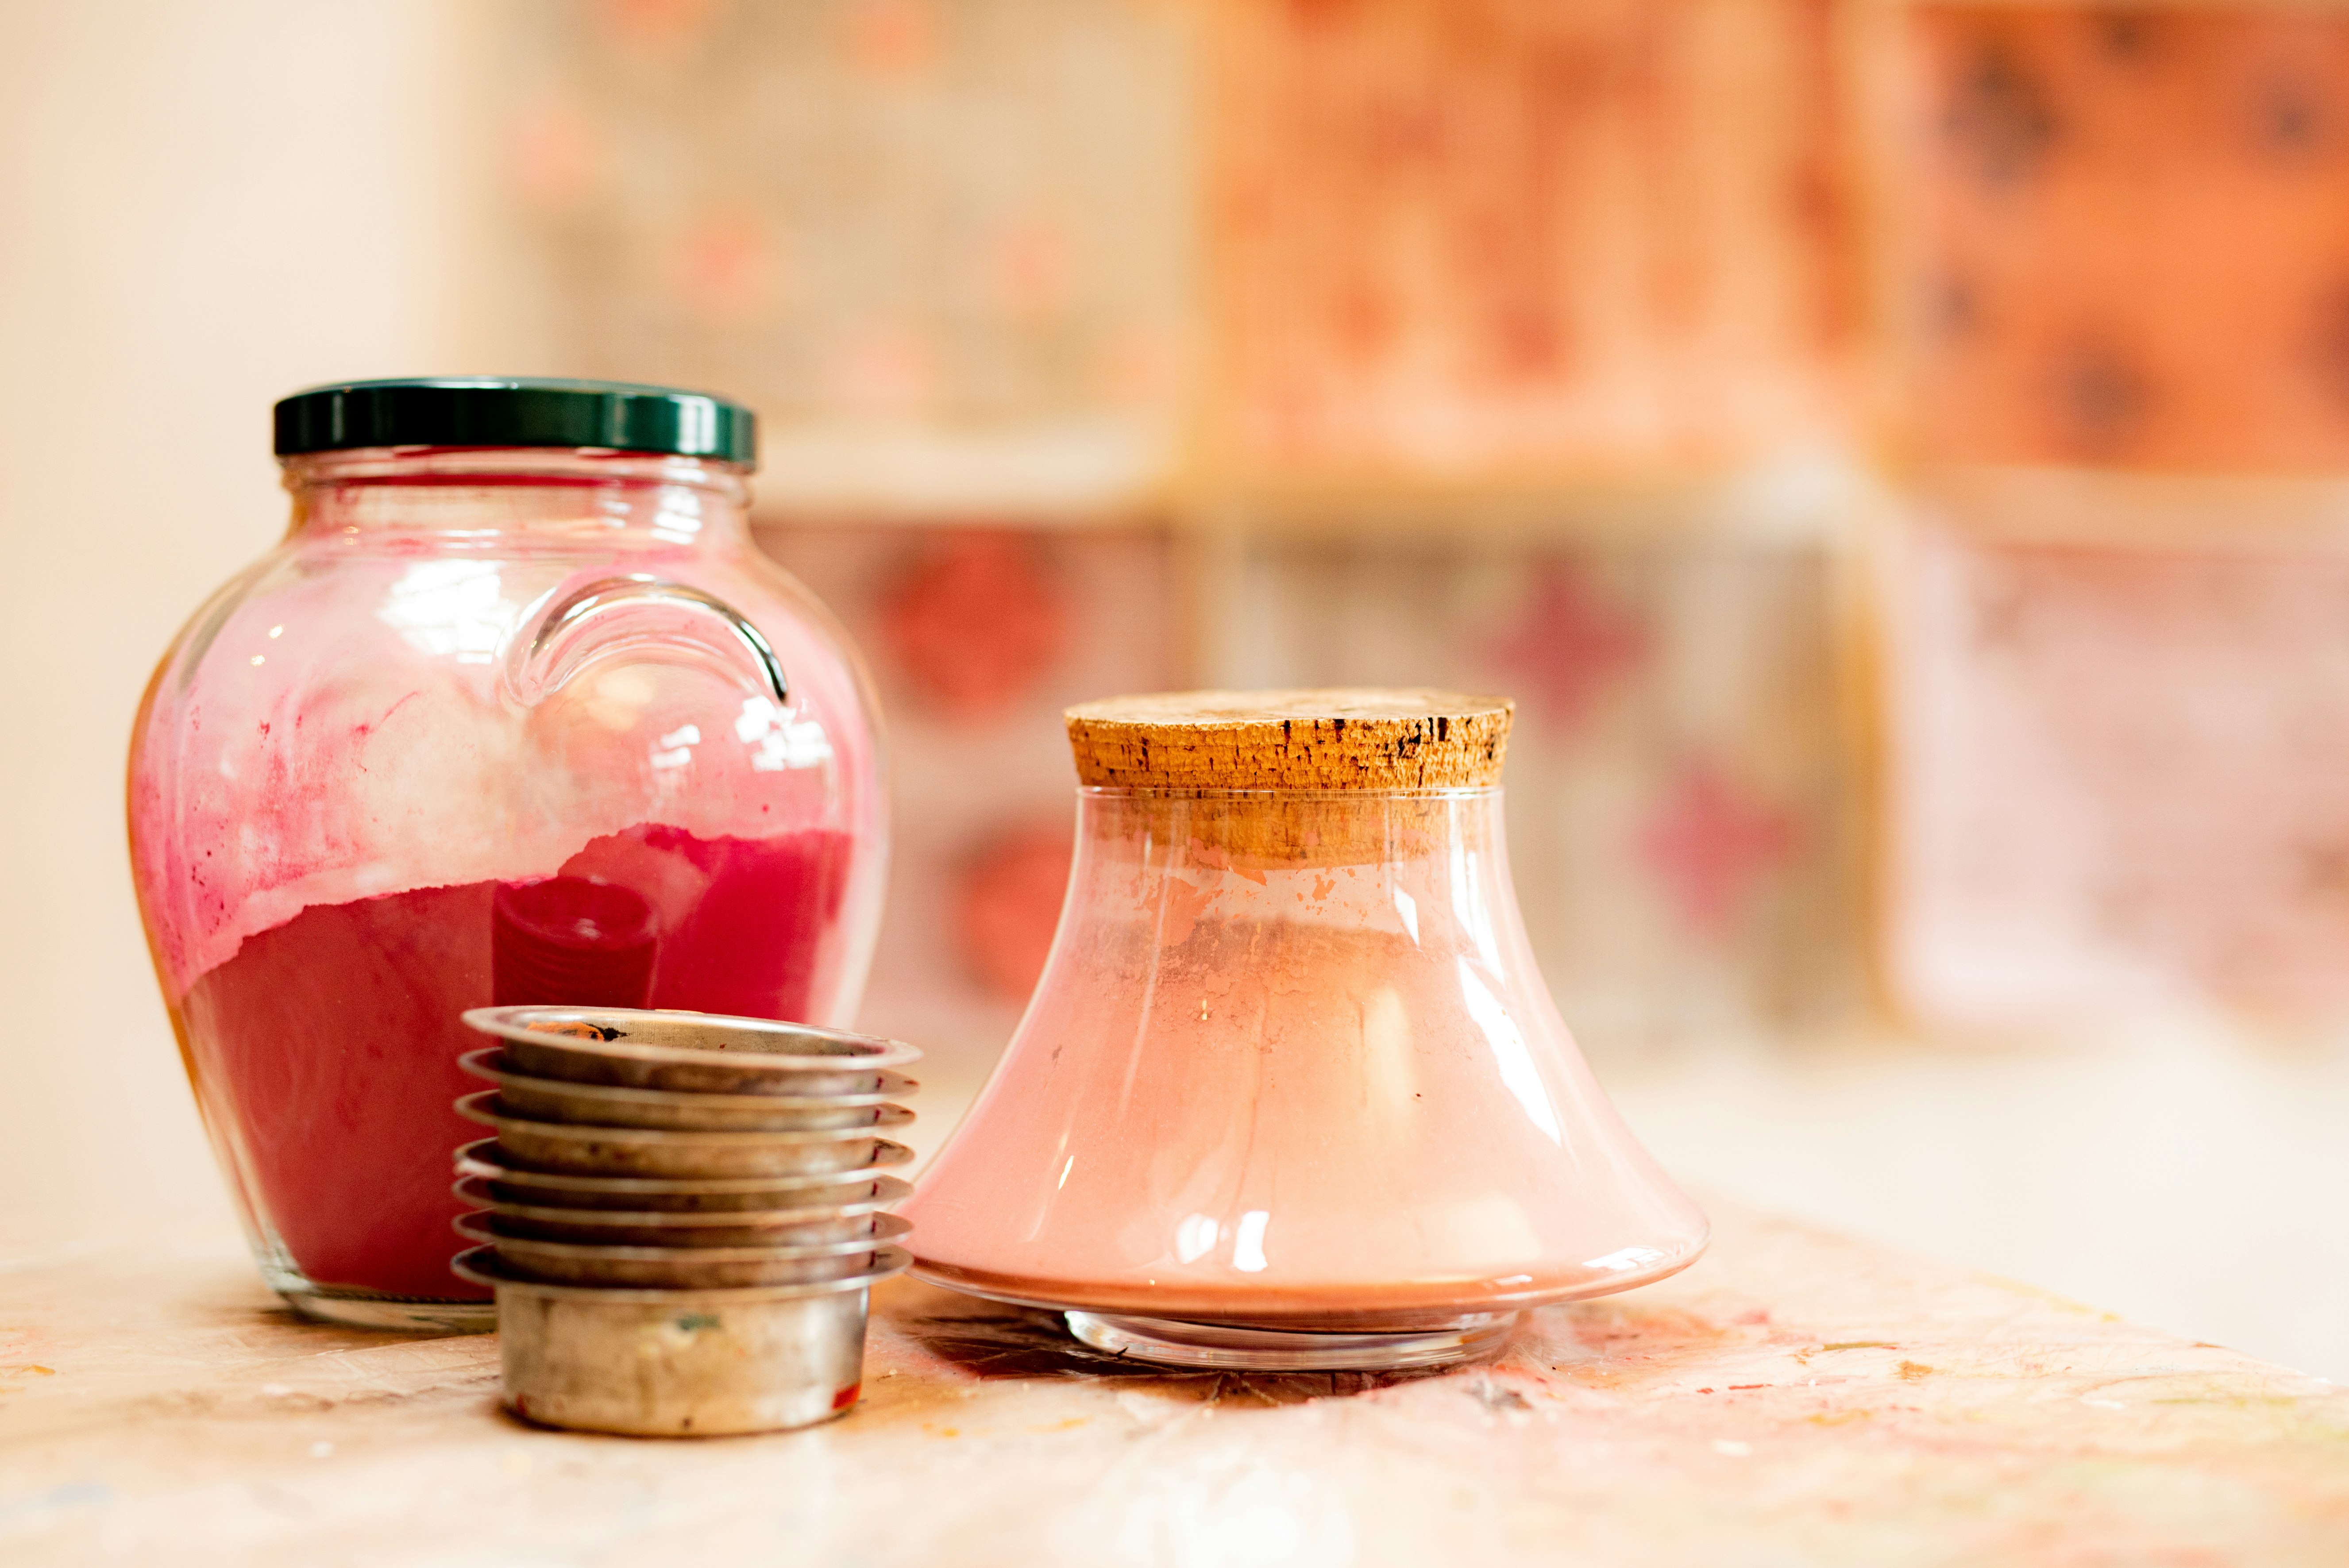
[1339, 737]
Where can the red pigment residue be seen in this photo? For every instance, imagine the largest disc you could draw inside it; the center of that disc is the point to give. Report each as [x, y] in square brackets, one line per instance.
[583, 939]
[328, 1045]
[846, 1396]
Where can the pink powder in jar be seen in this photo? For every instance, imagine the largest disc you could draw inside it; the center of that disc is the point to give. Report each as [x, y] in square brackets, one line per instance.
[325, 1050]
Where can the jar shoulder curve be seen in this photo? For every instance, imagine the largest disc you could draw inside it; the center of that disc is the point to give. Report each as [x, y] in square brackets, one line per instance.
[382, 620]
[185, 653]
[339, 721]
[796, 601]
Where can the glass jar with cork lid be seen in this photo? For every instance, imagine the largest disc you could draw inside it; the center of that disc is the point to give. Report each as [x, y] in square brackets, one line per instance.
[1291, 1092]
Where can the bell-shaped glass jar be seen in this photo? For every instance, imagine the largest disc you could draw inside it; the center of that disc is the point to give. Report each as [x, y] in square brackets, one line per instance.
[515, 713]
[1290, 1091]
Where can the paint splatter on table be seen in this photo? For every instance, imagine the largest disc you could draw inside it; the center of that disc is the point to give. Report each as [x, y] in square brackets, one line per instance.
[1796, 1397]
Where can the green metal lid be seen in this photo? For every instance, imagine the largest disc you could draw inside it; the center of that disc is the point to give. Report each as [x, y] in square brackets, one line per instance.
[516, 411]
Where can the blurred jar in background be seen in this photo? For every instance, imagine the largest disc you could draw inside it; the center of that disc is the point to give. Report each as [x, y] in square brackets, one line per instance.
[515, 713]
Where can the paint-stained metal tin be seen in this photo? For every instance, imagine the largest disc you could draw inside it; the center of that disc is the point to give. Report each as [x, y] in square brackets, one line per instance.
[510, 1183]
[676, 1268]
[697, 1053]
[678, 1110]
[680, 1363]
[639, 1151]
[813, 1225]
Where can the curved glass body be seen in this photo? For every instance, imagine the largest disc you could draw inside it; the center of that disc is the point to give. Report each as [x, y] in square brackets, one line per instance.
[1291, 1067]
[486, 726]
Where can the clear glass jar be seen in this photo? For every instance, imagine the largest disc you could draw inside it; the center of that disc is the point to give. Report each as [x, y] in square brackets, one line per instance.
[515, 721]
[1290, 1091]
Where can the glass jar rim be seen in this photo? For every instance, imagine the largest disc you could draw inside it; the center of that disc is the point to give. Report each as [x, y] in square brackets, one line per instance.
[466, 466]
[517, 411]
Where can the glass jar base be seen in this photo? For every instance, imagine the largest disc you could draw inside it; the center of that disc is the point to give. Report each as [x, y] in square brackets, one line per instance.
[1230, 1349]
[352, 1309]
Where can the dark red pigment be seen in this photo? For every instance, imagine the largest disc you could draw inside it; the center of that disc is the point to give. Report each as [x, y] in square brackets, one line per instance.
[580, 938]
[327, 1046]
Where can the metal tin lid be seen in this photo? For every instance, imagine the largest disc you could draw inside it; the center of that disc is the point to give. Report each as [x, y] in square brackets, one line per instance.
[516, 411]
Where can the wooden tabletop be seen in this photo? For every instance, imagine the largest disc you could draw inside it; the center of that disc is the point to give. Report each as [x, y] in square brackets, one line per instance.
[1794, 1398]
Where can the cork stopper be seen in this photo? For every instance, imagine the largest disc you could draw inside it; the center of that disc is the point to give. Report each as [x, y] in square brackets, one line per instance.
[1338, 738]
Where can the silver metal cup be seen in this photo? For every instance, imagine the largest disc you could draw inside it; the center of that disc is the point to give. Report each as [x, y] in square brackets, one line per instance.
[698, 1053]
[674, 1268]
[860, 1222]
[639, 1151]
[680, 1363]
[510, 1183]
[599, 1105]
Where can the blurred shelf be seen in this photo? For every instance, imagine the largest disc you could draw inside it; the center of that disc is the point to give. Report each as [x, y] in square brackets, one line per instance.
[1072, 472]
[1800, 499]
[2127, 509]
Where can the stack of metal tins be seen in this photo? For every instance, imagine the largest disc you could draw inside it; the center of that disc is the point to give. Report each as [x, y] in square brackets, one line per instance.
[682, 1214]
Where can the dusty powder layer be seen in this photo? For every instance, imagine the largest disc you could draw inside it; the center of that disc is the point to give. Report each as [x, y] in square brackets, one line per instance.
[1216, 1114]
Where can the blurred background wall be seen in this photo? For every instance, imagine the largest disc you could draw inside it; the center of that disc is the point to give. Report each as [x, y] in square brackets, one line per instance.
[205, 206]
[1898, 455]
